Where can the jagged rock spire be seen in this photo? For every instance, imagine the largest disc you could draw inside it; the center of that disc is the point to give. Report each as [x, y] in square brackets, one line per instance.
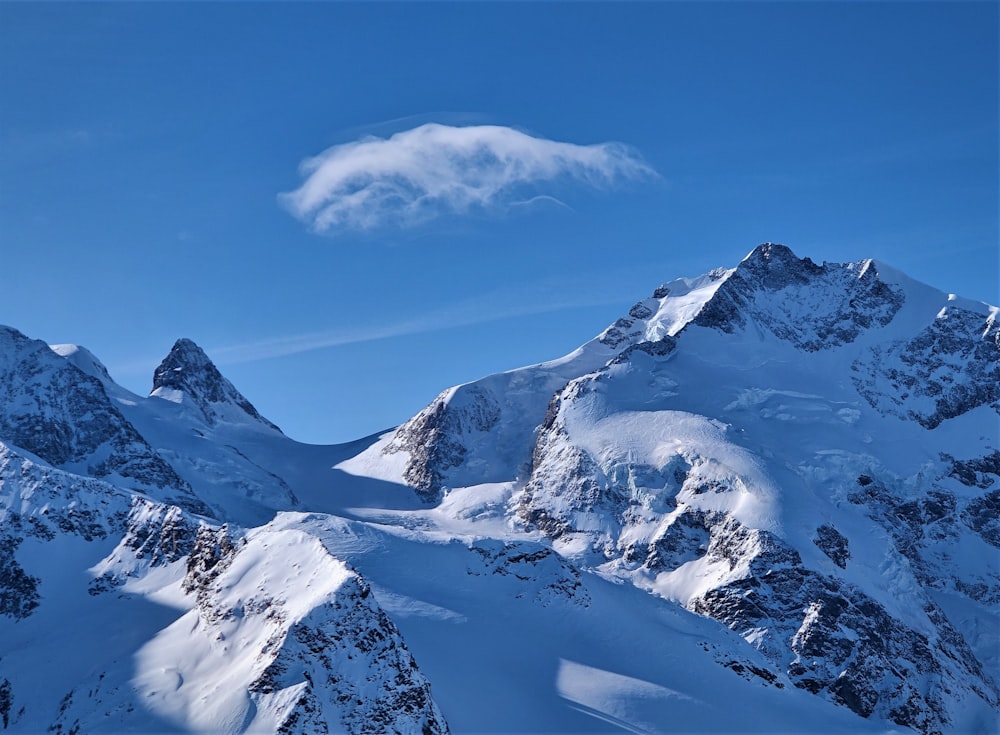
[187, 376]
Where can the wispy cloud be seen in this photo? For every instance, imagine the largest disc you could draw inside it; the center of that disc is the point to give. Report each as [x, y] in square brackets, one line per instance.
[490, 308]
[433, 169]
[541, 297]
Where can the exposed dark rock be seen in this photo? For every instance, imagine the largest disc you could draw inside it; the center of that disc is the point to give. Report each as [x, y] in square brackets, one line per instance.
[845, 645]
[550, 416]
[735, 543]
[6, 702]
[62, 725]
[161, 534]
[619, 333]
[63, 415]
[18, 590]
[211, 554]
[684, 540]
[834, 544]
[546, 574]
[188, 370]
[937, 506]
[746, 670]
[775, 266]
[982, 472]
[640, 311]
[154, 533]
[85, 522]
[583, 487]
[567, 485]
[950, 368]
[433, 438]
[849, 300]
[659, 348]
[317, 651]
[982, 515]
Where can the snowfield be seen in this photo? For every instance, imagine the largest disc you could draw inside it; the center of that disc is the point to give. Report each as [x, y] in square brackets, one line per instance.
[766, 500]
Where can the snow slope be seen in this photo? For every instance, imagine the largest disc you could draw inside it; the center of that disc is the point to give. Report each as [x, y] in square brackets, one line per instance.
[766, 500]
[121, 614]
[801, 454]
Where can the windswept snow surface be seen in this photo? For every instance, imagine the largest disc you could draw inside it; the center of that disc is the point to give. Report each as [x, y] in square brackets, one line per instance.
[763, 501]
[825, 432]
[503, 626]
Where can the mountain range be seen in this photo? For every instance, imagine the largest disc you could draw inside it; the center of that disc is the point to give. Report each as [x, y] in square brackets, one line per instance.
[766, 499]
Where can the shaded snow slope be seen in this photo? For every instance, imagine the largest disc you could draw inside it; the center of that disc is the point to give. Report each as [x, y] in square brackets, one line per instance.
[483, 431]
[765, 500]
[62, 414]
[517, 640]
[210, 437]
[806, 454]
[120, 614]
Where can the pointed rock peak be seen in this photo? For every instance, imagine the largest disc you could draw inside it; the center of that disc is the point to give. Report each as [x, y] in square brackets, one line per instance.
[812, 306]
[775, 266]
[188, 377]
[187, 370]
[870, 271]
[771, 251]
[187, 351]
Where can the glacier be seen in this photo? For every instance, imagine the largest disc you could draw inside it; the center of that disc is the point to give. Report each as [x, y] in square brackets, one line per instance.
[764, 500]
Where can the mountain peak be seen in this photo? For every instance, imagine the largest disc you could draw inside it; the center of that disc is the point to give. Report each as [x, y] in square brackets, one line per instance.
[187, 367]
[187, 376]
[85, 360]
[771, 250]
[189, 351]
[775, 266]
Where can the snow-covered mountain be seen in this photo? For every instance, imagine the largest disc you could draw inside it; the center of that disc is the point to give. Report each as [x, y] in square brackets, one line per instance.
[766, 500]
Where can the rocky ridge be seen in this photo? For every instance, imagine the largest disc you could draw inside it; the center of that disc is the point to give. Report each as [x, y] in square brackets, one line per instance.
[57, 412]
[320, 656]
[803, 455]
[599, 477]
[187, 376]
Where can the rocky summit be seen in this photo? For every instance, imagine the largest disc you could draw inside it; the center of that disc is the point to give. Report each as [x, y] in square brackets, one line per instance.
[187, 376]
[766, 499]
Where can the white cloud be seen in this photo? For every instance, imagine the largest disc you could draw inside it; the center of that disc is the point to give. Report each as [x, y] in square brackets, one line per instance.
[433, 169]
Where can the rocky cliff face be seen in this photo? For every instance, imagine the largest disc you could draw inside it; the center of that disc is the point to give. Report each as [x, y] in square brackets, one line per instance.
[814, 307]
[949, 368]
[96, 526]
[320, 654]
[59, 413]
[663, 523]
[475, 432]
[676, 464]
[277, 636]
[800, 458]
[187, 376]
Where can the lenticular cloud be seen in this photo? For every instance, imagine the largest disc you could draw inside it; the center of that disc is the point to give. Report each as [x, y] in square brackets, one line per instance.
[433, 169]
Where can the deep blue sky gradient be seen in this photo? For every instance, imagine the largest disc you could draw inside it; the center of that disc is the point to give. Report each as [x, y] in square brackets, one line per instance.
[143, 147]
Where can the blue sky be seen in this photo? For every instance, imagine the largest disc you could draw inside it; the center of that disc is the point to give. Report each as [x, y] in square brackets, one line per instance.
[145, 150]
